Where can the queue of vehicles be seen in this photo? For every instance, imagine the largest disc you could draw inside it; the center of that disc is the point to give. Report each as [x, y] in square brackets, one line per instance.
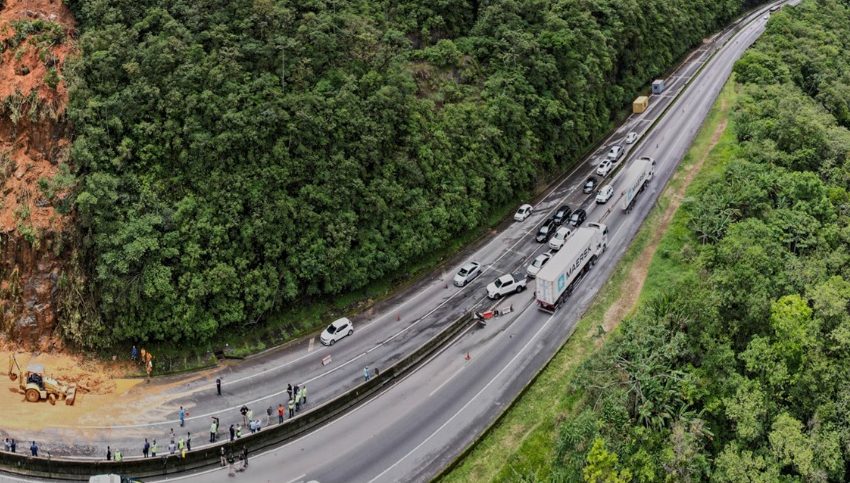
[573, 249]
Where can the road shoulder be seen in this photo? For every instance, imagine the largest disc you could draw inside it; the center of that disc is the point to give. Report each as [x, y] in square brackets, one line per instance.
[522, 441]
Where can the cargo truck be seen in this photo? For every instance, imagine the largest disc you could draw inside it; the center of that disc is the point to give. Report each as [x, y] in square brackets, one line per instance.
[556, 280]
[635, 179]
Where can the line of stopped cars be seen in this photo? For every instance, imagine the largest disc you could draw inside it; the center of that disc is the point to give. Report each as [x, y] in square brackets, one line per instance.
[558, 269]
[563, 228]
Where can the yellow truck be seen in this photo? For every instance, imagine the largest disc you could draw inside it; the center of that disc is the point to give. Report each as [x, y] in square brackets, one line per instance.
[640, 104]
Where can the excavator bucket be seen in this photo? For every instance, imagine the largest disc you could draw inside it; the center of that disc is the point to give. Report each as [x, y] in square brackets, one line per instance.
[71, 395]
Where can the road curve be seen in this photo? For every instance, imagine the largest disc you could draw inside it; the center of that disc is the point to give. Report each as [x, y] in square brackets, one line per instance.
[413, 429]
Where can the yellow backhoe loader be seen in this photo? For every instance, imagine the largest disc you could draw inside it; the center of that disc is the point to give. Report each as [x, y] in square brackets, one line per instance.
[36, 386]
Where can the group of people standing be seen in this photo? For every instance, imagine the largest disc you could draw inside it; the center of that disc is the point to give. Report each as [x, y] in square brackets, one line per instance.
[11, 446]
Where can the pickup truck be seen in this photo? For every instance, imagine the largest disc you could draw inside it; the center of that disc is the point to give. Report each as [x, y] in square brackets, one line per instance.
[506, 285]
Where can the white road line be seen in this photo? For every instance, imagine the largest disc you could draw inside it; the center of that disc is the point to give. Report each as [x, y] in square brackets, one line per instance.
[471, 400]
[195, 475]
[445, 382]
[297, 478]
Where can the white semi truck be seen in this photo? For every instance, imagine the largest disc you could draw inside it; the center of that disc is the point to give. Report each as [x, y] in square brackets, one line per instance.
[635, 180]
[556, 279]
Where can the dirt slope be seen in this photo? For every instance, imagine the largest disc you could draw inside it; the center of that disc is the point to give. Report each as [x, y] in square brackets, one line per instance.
[36, 37]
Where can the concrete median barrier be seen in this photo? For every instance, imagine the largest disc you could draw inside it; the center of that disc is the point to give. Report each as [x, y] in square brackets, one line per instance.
[81, 470]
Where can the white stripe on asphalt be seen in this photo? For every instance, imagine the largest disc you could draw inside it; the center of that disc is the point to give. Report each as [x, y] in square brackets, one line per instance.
[471, 400]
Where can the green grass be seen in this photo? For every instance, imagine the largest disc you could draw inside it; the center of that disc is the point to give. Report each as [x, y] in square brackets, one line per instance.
[522, 441]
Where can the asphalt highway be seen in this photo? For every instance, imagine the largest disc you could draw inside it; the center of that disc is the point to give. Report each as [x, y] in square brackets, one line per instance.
[412, 430]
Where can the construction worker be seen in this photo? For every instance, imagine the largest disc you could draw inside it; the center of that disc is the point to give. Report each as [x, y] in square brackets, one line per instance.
[118, 456]
[291, 408]
[238, 431]
[182, 414]
[212, 432]
[280, 411]
[304, 394]
[297, 399]
[154, 449]
[181, 444]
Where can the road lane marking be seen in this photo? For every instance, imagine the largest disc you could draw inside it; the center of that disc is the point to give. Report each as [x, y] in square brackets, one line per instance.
[445, 382]
[471, 400]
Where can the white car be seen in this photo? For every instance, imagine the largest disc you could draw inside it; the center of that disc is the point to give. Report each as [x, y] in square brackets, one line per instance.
[537, 264]
[560, 238]
[615, 153]
[523, 212]
[506, 285]
[604, 167]
[337, 330]
[604, 194]
[467, 273]
[631, 137]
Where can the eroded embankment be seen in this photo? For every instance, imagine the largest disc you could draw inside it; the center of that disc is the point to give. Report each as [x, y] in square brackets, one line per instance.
[36, 39]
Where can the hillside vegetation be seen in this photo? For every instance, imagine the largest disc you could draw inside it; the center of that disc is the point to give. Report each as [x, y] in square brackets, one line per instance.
[239, 158]
[735, 367]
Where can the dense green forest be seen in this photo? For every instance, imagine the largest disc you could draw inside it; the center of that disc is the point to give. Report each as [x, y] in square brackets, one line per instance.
[240, 157]
[738, 372]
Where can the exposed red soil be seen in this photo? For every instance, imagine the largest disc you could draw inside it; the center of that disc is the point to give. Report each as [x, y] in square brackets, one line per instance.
[34, 143]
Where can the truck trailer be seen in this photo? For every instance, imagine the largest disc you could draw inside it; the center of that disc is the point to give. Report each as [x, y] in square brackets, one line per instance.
[635, 179]
[556, 280]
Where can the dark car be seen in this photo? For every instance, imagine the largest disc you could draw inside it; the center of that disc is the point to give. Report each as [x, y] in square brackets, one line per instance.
[589, 185]
[546, 230]
[562, 215]
[578, 217]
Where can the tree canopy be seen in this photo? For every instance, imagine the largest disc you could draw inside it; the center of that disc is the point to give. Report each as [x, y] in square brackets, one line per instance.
[240, 157]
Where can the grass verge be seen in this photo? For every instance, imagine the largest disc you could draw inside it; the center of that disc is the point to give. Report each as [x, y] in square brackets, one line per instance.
[521, 443]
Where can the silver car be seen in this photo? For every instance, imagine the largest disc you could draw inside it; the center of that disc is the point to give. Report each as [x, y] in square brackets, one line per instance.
[535, 266]
[467, 273]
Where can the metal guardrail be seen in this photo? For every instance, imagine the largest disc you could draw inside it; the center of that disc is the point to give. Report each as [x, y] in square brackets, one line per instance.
[81, 469]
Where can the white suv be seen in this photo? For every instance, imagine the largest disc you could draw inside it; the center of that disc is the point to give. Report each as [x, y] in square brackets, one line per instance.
[604, 167]
[337, 330]
[615, 153]
[560, 237]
